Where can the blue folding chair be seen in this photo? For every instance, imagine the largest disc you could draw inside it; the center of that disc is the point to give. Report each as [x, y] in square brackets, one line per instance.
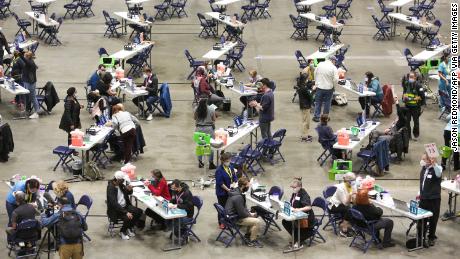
[431, 33]
[231, 228]
[426, 10]
[253, 157]
[334, 218]
[385, 10]
[71, 9]
[331, 9]
[272, 146]
[326, 144]
[37, 8]
[239, 161]
[344, 8]
[187, 228]
[414, 31]
[300, 28]
[98, 151]
[162, 10]
[363, 227]
[320, 203]
[301, 8]
[87, 202]
[216, 8]
[5, 8]
[262, 10]
[235, 55]
[209, 27]
[52, 32]
[301, 59]
[193, 63]
[249, 10]
[383, 32]
[85, 8]
[65, 156]
[416, 8]
[178, 8]
[412, 63]
[112, 25]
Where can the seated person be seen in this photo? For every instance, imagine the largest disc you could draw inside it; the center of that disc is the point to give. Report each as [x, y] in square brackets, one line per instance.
[61, 189]
[24, 211]
[300, 201]
[159, 187]
[372, 83]
[181, 198]
[236, 205]
[254, 77]
[204, 88]
[325, 132]
[104, 88]
[96, 76]
[370, 212]
[119, 205]
[341, 201]
[151, 85]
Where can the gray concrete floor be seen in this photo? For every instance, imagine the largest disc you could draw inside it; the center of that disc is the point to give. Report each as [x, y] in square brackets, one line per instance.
[169, 143]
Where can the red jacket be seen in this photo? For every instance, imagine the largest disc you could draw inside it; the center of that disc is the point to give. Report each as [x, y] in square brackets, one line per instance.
[161, 189]
[388, 101]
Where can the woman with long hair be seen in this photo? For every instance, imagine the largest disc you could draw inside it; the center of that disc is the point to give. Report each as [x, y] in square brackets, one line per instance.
[70, 119]
[205, 117]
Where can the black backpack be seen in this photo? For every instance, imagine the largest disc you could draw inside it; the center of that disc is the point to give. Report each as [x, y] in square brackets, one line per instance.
[70, 226]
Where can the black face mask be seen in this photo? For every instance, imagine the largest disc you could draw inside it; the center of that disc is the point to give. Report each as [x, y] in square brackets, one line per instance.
[245, 189]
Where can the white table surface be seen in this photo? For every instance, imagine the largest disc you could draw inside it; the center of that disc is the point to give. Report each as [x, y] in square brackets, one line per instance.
[17, 91]
[123, 54]
[332, 50]
[414, 21]
[450, 186]
[41, 19]
[309, 2]
[399, 3]
[45, 1]
[124, 16]
[267, 206]
[370, 127]
[137, 91]
[365, 93]
[243, 131]
[137, 1]
[427, 54]
[93, 140]
[406, 214]
[226, 2]
[247, 92]
[152, 204]
[325, 21]
[227, 20]
[215, 54]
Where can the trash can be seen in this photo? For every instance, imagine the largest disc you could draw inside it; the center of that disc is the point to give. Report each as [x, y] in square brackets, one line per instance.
[77, 167]
[227, 104]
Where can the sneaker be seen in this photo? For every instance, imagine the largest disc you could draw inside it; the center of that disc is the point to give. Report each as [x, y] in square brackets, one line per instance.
[131, 233]
[297, 246]
[307, 138]
[34, 116]
[315, 119]
[150, 117]
[255, 243]
[431, 242]
[124, 236]
[200, 164]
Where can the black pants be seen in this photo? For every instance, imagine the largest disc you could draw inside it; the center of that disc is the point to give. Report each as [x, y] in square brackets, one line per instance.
[433, 206]
[130, 223]
[370, 100]
[222, 200]
[343, 210]
[414, 113]
[128, 141]
[455, 155]
[304, 232]
[387, 226]
[157, 218]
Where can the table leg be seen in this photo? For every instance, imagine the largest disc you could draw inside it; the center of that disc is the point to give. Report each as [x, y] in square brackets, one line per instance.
[124, 25]
[22, 111]
[393, 27]
[418, 240]
[450, 213]
[292, 249]
[173, 239]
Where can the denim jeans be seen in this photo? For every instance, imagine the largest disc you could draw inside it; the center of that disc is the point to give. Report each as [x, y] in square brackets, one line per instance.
[32, 95]
[211, 157]
[150, 101]
[322, 97]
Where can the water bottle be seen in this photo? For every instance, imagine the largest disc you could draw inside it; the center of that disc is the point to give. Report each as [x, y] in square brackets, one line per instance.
[245, 116]
[222, 40]
[13, 84]
[360, 88]
[241, 87]
[362, 132]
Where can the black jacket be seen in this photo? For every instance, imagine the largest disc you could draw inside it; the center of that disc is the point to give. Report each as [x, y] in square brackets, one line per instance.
[71, 115]
[305, 97]
[6, 142]
[432, 188]
[29, 70]
[300, 200]
[51, 96]
[151, 85]
[370, 212]
[184, 200]
[3, 43]
[236, 204]
[113, 207]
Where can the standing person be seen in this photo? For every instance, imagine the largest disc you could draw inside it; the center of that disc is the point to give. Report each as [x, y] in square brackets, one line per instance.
[236, 206]
[70, 119]
[29, 187]
[3, 45]
[373, 85]
[266, 108]
[444, 76]
[309, 72]
[326, 78]
[119, 205]
[205, 118]
[305, 103]
[430, 196]
[413, 99]
[125, 123]
[29, 79]
[447, 135]
[370, 212]
[300, 201]
[71, 226]
[225, 180]
[151, 85]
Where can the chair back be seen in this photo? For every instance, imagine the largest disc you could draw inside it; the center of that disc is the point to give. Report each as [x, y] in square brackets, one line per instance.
[301, 59]
[381, 4]
[34, 47]
[53, 16]
[86, 201]
[15, 16]
[334, 3]
[329, 191]
[224, 218]
[325, 143]
[365, 226]
[261, 144]
[189, 57]
[27, 231]
[293, 20]
[321, 203]
[202, 19]
[279, 135]
[438, 24]
[106, 15]
[198, 203]
[408, 54]
[245, 150]
[102, 51]
[276, 190]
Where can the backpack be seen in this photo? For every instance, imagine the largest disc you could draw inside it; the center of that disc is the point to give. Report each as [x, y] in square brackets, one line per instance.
[70, 226]
[92, 172]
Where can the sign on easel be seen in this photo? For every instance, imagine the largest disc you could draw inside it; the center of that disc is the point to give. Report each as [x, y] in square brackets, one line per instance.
[431, 150]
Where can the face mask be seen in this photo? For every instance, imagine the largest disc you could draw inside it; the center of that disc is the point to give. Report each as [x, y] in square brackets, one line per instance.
[296, 189]
[411, 80]
[227, 164]
[245, 189]
[145, 75]
[209, 68]
[422, 163]
[366, 79]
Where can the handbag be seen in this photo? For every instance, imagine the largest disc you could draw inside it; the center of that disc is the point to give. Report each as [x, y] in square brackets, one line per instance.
[303, 223]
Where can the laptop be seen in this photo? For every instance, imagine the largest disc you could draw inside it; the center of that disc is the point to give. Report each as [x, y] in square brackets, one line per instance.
[276, 204]
[238, 121]
[401, 205]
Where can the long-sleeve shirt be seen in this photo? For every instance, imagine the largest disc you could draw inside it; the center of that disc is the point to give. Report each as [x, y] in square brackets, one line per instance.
[224, 176]
[184, 200]
[160, 189]
[375, 87]
[341, 195]
[29, 70]
[123, 121]
[326, 75]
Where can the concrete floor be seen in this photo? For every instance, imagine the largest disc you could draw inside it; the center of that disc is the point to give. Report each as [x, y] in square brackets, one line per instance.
[169, 144]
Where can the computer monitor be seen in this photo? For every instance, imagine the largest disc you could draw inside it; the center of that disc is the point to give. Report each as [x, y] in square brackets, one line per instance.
[238, 121]
[434, 63]
[107, 61]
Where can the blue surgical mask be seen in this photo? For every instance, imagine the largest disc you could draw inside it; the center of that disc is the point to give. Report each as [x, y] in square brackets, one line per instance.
[411, 80]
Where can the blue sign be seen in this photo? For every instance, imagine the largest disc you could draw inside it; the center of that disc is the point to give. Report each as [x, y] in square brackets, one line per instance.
[287, 208]
[164, 205]
[413, 207]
